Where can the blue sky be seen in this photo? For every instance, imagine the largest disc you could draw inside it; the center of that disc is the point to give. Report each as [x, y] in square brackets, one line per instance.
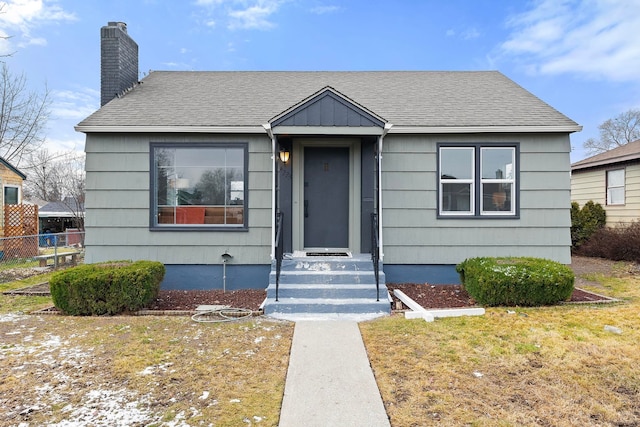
[582, 57]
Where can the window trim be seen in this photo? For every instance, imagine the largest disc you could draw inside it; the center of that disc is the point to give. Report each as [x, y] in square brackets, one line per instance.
[4, 193]
[623, 186]
[153, 206]
[477, 213]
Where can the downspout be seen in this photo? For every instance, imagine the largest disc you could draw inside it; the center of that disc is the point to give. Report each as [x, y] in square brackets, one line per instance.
[267, 128]
[387, 128]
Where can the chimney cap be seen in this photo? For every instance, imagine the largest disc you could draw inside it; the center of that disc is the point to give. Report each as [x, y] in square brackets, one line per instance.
[119, 24]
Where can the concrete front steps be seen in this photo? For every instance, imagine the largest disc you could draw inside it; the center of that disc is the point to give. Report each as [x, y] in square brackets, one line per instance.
[326, 287]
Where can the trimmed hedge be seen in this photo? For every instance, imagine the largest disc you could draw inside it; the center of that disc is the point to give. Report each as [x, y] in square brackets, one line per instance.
[106, 289]
[516, 281]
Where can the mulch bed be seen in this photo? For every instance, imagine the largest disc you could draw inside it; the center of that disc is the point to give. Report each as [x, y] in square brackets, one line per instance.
[428, 296]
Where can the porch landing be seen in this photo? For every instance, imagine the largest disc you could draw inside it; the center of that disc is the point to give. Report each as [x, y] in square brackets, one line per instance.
[321, 287]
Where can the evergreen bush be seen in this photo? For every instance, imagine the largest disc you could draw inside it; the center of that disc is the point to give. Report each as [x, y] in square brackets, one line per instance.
[586, 221]
[519, 281]
[106, 289]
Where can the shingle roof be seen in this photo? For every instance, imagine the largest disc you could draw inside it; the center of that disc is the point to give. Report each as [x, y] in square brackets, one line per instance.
[624, 153]
[403, 98]
[67, 206]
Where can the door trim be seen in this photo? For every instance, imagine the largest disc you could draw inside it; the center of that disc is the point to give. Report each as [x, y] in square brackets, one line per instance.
[297, 207]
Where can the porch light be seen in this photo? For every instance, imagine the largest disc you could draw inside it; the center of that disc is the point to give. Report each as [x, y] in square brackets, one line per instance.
[284, 156]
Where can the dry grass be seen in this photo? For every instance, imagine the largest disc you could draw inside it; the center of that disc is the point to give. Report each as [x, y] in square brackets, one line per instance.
[23, 303]
[554, 366]
[150, 371]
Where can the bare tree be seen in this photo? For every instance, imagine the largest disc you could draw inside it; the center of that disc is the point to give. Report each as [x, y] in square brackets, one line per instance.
[3, 37]
[23, 116]
[42, 175]
[57, 177]
[72, 184]
[615, 132]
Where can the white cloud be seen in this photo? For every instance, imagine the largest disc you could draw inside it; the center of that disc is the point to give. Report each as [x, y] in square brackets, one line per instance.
[74, 105]
[241, 14]
[597, 39]
[467, 34]
[255, 17]
[470, 33]
[19, 18]
[321, 10]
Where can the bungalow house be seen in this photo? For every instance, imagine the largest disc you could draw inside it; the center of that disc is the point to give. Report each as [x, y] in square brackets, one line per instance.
[612, 179]
[243, 179]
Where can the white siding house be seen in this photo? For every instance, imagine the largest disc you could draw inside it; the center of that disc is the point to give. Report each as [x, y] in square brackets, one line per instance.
[612, 179]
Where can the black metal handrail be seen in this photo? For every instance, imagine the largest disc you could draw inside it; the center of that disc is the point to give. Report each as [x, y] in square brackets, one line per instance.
[375, 252]
[279, 249]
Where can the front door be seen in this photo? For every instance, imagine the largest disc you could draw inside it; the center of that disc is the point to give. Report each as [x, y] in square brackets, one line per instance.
[326, 197]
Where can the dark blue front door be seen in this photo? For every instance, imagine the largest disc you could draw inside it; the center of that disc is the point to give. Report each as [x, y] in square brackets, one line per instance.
[326, 197]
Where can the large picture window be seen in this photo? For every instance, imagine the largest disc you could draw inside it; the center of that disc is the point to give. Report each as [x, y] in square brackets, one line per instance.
[615, 187]
[200, 185]
[477, 180]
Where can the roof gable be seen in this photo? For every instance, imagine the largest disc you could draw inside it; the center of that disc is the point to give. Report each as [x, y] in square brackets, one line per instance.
[328, 107]
[12, 168]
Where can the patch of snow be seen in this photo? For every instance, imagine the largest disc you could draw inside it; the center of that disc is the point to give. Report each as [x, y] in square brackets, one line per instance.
[12, 317]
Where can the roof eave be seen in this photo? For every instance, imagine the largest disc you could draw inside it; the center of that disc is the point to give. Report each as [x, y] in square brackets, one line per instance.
[606, 162]
[395, 130]
[486, 129]
[168, 129]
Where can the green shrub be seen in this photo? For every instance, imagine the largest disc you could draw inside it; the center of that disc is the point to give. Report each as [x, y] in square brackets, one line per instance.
[586, 221]
[106, 289]
[516, 281]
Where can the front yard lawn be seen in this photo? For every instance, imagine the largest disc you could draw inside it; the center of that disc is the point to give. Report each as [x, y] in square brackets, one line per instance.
[552, 366]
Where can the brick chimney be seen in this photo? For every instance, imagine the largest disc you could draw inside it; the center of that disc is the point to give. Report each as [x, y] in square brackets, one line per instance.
[118, 61]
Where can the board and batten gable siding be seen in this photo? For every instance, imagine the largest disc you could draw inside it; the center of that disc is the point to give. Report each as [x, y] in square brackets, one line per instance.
[413, 234]
[118, 197]
[591, 184]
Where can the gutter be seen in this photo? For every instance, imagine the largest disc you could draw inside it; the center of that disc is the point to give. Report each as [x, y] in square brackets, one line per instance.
[267, 128]
[327, 130]
[385, 131]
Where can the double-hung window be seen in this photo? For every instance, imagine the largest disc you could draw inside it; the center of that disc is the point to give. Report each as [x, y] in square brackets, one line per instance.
[615, 187]
[477, 180]
[199, 186]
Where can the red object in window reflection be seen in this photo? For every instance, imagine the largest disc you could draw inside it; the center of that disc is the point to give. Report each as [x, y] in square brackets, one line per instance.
[189, 215]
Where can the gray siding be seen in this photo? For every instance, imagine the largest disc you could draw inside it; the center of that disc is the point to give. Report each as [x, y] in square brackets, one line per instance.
[414, 235]
[591, 184]
[117, 205]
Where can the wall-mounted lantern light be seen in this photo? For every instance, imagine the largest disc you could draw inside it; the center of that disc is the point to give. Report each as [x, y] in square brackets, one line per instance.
[284, 156]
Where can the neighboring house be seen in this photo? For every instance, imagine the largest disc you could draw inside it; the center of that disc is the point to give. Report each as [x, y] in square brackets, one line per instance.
[184, 167]
[612, 179]
[18, 219]
[57, 217]
[11, 179]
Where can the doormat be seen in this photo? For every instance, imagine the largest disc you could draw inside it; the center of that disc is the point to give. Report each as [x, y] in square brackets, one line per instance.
[344, 254]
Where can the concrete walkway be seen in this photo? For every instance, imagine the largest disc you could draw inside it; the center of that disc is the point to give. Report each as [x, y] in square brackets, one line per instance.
[329, 381]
